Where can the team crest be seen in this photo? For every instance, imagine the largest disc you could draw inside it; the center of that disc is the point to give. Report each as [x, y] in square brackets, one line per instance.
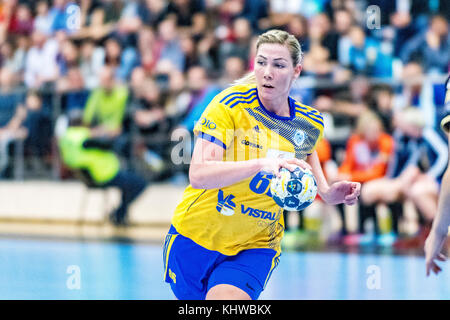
[299, 137]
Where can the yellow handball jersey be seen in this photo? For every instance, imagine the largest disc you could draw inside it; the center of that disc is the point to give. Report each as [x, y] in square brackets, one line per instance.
[244, 215]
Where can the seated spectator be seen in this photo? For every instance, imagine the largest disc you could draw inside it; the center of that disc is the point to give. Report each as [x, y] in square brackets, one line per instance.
[418, 90]
[92, 59]
[68, 57]
[122, 59]
[414, 171]
[97, 28]
[43, 21]
[431, 47]
[74, 93]
[97, 166]
[40, 66]
[366, 158]
[382, 103]
[366, 55]
[152, 12]
[38, 126]
[21, 22]
[169, 44]
[152, 127]
[12, 117]
[238, 42]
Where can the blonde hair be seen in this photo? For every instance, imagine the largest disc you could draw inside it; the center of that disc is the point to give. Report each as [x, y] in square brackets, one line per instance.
[365, 119]
[275, 36]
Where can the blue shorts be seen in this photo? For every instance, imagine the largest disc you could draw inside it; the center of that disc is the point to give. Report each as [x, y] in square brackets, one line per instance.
[192, 270]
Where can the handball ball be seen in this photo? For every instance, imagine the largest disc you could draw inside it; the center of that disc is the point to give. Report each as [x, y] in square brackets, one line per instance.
[294, 191]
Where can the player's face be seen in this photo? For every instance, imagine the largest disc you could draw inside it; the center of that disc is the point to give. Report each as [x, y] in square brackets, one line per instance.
[274, 72]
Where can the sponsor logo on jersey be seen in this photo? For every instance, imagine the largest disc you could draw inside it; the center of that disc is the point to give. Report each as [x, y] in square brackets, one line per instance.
[251, 144]
[208, 123]
[256, 213]
[225, 205]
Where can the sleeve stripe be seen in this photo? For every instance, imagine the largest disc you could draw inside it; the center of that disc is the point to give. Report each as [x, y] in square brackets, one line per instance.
[212, 139]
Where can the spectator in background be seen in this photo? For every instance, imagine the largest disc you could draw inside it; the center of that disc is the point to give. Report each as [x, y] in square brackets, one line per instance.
[96, 28]
[60, 16]
[238, 43]
[43, 20]
[414, 172]
[321, 34]
[189, 14]
[91, 62]
[298, 27]
[234, 70]
[431, 47]
[123, 60]
[366, 56]
[169, 43]
[40, 65]
[68, 56]
[11, 118]
[37, 124]
[189, 49]
[382, 103]
[105, 108]
[418, 91]
[72, 88]
[97, 166]
[148, 49]
[366, 158]
[343, 21]
[201, 94]
[152, 12]
[21, 22]
[152, 126]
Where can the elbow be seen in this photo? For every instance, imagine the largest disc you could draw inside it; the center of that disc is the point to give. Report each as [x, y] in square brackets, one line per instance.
[195, 179]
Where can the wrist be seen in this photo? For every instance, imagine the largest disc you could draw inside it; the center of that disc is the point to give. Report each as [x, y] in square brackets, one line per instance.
[439, 232]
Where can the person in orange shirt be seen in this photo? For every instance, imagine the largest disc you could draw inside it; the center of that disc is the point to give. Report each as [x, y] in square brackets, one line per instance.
[366, 158]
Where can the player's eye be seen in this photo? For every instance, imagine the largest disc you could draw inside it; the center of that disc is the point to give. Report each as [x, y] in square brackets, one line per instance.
[261, 62]
[279, 65]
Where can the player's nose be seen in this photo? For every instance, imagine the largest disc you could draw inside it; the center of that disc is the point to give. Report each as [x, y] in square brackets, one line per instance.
[268, 74]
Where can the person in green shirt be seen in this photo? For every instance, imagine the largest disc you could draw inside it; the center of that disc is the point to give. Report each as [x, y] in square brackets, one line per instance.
[93, 162]
[105, 108]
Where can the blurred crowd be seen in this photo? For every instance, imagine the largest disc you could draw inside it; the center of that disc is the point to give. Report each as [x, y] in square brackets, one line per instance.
[137, 70]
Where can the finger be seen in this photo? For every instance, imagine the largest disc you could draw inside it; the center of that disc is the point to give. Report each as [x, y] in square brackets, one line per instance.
[301, 163]
[351, 196]
[436, 269]
[428, 269]
[441, 257]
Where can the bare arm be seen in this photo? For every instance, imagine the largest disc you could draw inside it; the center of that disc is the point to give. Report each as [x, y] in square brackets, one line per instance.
[209, 171]
[438, 234]
[346, 192]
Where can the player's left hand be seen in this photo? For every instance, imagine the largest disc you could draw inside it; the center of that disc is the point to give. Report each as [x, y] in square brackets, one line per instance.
[346, 192]
[433, 246]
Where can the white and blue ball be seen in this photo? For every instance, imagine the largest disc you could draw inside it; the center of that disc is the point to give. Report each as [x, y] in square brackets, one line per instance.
[294, 191]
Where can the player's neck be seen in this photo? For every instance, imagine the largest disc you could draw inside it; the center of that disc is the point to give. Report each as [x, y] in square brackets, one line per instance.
[279, 107]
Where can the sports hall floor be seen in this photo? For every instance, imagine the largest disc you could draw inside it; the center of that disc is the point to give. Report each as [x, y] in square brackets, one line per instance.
[43, 268]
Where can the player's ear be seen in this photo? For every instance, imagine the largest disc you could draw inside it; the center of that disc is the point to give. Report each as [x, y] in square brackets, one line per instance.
[297, 70]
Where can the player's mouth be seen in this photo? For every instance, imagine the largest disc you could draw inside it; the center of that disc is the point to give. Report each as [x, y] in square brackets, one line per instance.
[268, 86]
